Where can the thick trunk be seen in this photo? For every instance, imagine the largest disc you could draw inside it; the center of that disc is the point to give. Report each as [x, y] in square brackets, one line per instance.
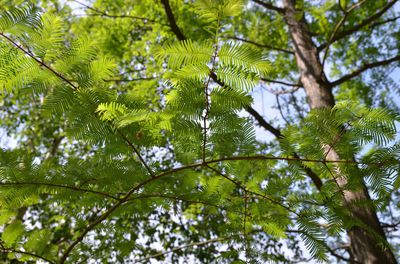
[364, 246]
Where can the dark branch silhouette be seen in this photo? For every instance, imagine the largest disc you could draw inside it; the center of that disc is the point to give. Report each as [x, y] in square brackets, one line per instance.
[269, 6]
[365, 22]
[362, 69]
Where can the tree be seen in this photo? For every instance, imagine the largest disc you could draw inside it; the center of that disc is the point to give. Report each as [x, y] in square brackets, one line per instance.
[133, 142]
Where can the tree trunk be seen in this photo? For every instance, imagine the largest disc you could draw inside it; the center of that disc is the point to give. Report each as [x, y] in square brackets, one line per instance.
[364, 246]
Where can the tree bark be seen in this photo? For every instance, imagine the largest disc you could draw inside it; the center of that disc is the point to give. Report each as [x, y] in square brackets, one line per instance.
[364, 246]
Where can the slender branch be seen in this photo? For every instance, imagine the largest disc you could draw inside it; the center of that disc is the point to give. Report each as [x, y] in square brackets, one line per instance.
[174, 197]
[130, 80]
[239, 185]
[186, 246]
[137, 152]
[280, 109]
[60, 186]
[261, 121]
[363, 68]
[11, 250]
[297, 85]
[40, 62]
[333, 253]
[280, 92]
[105, 14]
[269, 6]
[355, 28]
[172, 21]
[336, 29]
[261, 45]
[379, 23]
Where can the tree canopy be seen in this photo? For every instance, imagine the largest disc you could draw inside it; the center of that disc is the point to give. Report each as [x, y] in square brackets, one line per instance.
[136, 133]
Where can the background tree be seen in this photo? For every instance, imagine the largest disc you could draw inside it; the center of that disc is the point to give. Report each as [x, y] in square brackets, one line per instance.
[135, 131]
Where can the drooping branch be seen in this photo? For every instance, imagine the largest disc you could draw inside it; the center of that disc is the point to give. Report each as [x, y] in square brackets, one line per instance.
[342, 34]
[362, 69]
[269, 6]
[55, 185]
[261, 45]
[40, 62]
[137, 152]
[240, 186]
[5, 249]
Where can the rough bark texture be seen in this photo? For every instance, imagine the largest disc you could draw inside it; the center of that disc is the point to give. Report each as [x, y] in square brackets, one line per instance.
[364, 246]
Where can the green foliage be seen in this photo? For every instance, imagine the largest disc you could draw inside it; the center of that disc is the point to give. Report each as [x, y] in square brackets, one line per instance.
[130, 140]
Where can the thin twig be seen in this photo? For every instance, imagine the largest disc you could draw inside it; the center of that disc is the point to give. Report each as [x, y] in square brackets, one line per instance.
[137, 152]
[280, 109]
[363, 68]
[201, 243]
[296, 85]
[336, 29]
[40, 62]
[105, 14]
[11, 250]
[239, 185]
[74, 188]
[355, 28]
[261, 45]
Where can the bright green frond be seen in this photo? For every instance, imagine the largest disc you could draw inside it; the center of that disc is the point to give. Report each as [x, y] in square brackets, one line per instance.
[243, 56]
[186, 52]
[19, 21]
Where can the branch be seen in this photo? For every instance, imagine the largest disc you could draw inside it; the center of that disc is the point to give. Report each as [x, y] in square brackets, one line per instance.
[239, 185]
[172, 21]
[336, 28]
[261, 45]
[140, 185]
[333, 253]
[349, 31]
[40, 62]
[137, 152]
[186, 246]
[74, 87]
[283, 83]
[178, 33]
[378, 23]
[130, 80]
[269, 6]
[11, 250]
[261, 121]
[109, 211]
[105, 14]
[60, 186]
[363, 68]
[174, 197]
